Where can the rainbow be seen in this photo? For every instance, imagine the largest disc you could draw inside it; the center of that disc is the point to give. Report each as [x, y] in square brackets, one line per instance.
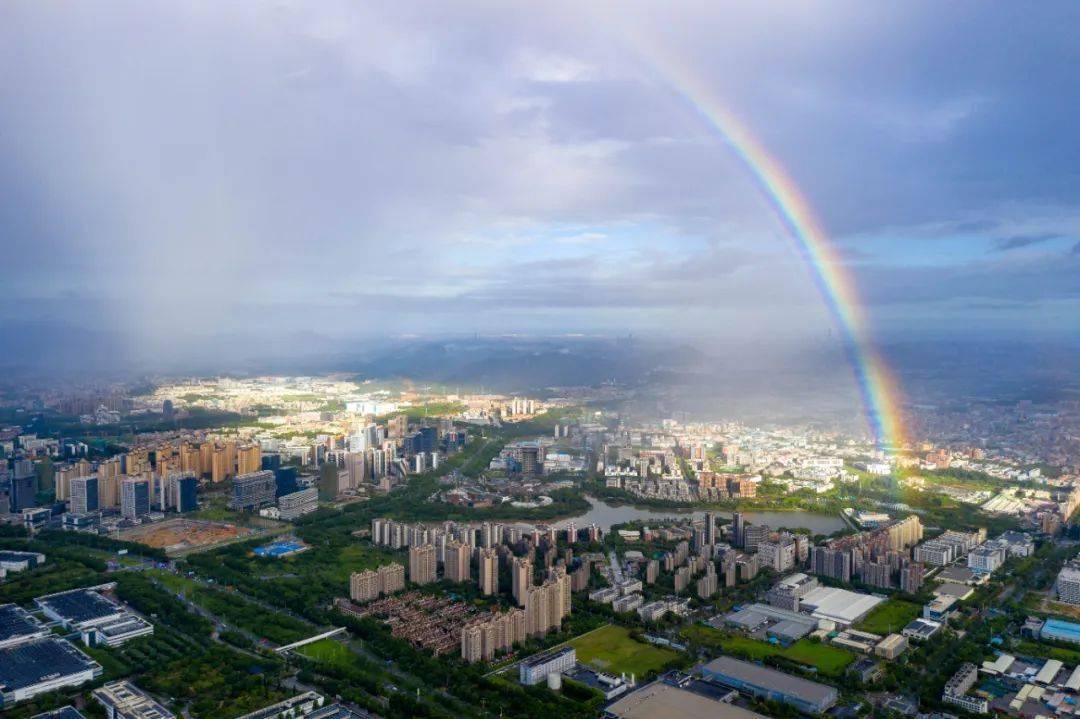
[877, 386]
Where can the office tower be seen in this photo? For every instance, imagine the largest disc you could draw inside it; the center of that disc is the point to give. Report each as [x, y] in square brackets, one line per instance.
[364, 586]
[422, 564]
[753, 535]
[456, 565]
[489, 571]
[84, 495]
[23, 493]
[429, 439]
[134, 497]
[356, 466]
[530, 460]
[738, 525]
[285, 481]
[329, 476]
[710, 529]
[521, 571]
[185, 491]
[253, 491]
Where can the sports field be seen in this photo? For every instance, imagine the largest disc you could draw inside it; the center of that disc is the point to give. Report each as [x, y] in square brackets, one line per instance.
[329, 652]
[612, 649]
[889, 616]
[281, 548]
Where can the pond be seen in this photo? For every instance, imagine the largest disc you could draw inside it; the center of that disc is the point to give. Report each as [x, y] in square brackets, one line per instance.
[605, 515]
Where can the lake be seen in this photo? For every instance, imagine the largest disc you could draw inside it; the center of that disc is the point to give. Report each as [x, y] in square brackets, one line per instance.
[605, 515]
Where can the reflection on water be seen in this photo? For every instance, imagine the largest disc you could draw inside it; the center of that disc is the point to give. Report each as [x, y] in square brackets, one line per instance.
[605, 515]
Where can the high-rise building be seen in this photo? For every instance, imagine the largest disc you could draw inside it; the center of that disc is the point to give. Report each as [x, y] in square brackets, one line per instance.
[253, 491]
[23, 492]
[84, 495]
[489, 571]
[134, 497]
[329, 478]
[833, 563]
[185, 492]
[531, 463]
[521, 577]
[422, 564]
[109, 491]
[547, 604]
[391, 578]
[706, 586]
[219, 465]
[753, 535]
[778, 554]
[364, 586]
[911, 577]
[738, 524]
[456, 567]
[711, 538]
[483, 638]
[297, 504]
[249, 459]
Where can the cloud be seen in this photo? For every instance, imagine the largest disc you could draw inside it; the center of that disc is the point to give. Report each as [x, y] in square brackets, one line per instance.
[1020, 241]
[266, 165]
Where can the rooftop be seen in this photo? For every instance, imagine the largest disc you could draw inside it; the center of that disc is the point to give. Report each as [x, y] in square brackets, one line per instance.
[62, 713]
[134, 702]
[839, 604]
[79, 605]
[17, 622]
[660, 701]
[544, 657]
[962, 575]
[1063, 629]
[771, 678]
[24, 665]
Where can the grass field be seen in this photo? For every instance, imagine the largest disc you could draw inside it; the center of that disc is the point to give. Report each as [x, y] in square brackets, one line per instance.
[328, 651]
[890, 616]
[828, 660]
[612, 649]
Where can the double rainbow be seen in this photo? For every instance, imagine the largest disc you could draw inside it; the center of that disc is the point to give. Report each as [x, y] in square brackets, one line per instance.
[877, 386]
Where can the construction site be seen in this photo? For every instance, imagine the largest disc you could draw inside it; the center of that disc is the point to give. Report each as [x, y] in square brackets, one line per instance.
[177, 536]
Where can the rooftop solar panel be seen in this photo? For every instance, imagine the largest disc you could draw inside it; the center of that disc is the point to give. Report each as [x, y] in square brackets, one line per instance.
[30, 663]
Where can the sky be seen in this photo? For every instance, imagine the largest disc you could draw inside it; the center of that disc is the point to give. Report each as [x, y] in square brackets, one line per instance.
[193, 175]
